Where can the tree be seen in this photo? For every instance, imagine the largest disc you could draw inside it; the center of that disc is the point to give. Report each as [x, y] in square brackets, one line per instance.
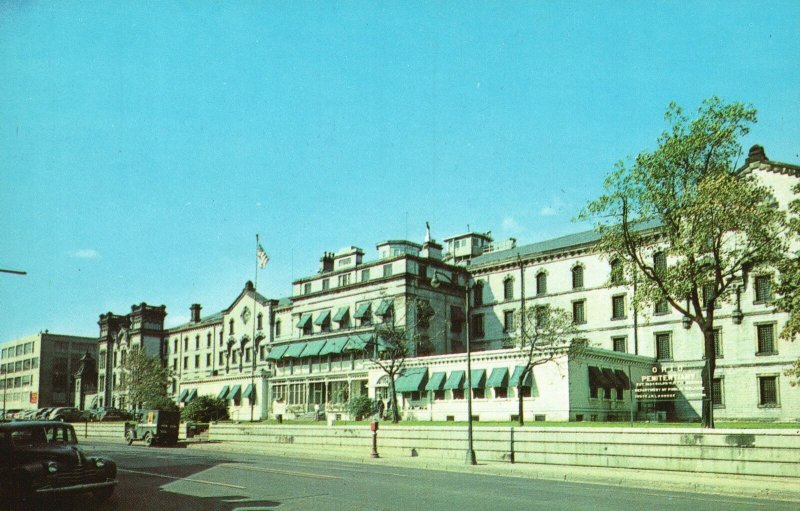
[543, 334]
[686, 224]
[144, 379]
[205, 409]
[788, 288]
[398, 338]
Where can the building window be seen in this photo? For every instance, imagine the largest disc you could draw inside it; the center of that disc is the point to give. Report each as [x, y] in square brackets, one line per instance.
[477, 294]
[477, 326]
[617, 276]
[717, 394]
[763, 285]
[456, 319]
[260, 321]
[230, 330]
[508, 289]
[577, 277]
[659, 262]
[208, 359]
[579, 312]
[221, 358]
[766, 339]
[326, 284]
[387, 270]
[278, 328]
[220, 337]
[186, 342]
[365, 275]
[344, 280]
[709, 295]
[197, 342]
[718, 342]
[307, 288]
[208, 340]
[661, 306]
[197, 361]
[508, 321]
[618, 307]
[501, 392]
[619, 344]
[768, 391]
[186, 362]
[663, 346]
[541, 283]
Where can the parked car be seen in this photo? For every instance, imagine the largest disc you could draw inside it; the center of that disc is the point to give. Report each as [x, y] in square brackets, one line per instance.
[11, 413]
[65, 414]
[26, 415]
[156, 427]
[39, 458]
[109, 414]
[42, 413]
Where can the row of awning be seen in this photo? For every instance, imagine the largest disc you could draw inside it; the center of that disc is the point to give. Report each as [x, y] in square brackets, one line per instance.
[321, 347]
[415, 379]
[187, 395]
[226, 393]
[342, 313]
[608, 378]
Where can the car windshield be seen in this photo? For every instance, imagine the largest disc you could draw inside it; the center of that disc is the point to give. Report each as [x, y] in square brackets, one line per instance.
[45, 435]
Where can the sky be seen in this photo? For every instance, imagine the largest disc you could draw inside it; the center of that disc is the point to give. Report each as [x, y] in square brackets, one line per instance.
[143, 145]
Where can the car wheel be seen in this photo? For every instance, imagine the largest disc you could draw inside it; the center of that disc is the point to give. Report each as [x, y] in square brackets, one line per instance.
[104, 494]
[128, 437]
[148, 439]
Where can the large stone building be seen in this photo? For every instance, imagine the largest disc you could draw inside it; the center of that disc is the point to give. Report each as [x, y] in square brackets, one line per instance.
[38, 371]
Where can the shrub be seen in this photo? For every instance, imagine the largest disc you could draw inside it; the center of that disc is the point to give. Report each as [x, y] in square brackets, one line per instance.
[162, 403]
[360, 406]
[205, 409]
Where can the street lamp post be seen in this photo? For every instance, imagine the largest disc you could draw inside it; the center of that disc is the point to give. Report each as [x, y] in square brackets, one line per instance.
[436, 281]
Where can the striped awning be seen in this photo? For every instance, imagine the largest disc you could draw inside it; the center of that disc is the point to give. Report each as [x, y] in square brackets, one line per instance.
[322, 318]
[304, 319]
[312, 348]
[341, 314]
[436, 381]
[412, 379]
[498, 378]
[455, 380]
[223, 392]
[277, 352]
[384, 307]
[234, 392]
[477, 378]
[182, 395]
[294, 350]
[333, 346]
[514, 381]
[192, 394]
[248, 391]
[362, 310]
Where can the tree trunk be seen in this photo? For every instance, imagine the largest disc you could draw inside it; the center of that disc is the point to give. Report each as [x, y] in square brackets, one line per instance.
[708, 377]
[520, 410]
[393, 397]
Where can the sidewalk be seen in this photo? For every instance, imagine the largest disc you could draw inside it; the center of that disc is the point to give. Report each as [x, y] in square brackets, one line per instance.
[775, 488]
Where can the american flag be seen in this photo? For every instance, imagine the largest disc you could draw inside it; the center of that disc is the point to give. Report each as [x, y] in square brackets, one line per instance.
[262, 256]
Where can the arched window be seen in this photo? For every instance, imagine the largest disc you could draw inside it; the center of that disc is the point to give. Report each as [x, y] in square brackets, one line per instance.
[477, 294]
[541, 283]
[617, 276]
[508, 288]
[230, 327]
[577, 277]
[659, 262]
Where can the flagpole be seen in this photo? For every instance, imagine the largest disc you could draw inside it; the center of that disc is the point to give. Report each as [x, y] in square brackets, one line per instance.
[255, 319]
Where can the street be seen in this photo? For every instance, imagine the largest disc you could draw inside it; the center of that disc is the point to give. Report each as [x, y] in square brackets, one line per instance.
[188, 479]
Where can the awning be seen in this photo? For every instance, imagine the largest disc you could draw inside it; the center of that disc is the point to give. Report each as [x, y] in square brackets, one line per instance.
[623, 379]
[357, 342]
[412, 379]
[498, 378]
[223, 392]
[436, 382]
[596, 378]
[514, 381]
[248, 391]
[455, 380]
[182, 395]
[192, 394]
[384, 307]
[294, 350]
[362, 310]
[341, 314]
[611, 378]
[277, 352]
[333, 346]
[234, 392]
[477, 378]
[322, 318]
[304, 319]
[312, 348]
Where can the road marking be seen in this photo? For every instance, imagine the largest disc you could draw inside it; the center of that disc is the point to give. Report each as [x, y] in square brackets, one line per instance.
[277, 471]
[189, 479]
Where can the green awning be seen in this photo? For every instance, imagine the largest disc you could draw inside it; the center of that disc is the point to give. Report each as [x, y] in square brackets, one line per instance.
[223, 392]
[597, 379]
[384, 307]
[312, 348]
[182, 395]
[514, 381]
[341, 314]
[498, 378]
[455, 380]
[623, 379]
[477, 378]
[192, 394]
[333, 346]
[436, 381]
[304, 319]
[277, 352]
[411, 380]
[234, 392]
[357, 342]
[611, 378]
[294, 350]
[322, 318]
[362, 310]
[248, 391]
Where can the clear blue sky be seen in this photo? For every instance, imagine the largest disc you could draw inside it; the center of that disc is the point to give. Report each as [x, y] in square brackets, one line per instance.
[144, 144]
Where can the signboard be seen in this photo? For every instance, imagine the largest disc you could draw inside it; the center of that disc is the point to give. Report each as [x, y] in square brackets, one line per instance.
[668, 383]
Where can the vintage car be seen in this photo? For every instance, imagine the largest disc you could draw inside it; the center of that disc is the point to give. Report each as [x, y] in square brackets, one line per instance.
[41, 458]
[156, 427]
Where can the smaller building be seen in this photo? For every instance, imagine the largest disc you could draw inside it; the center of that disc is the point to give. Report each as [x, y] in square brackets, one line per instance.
[38, 371]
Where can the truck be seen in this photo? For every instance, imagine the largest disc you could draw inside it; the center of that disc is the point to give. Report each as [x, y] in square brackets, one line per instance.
[157, 427]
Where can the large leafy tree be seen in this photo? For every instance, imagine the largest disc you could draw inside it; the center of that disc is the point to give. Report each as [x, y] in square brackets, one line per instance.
[687, 204]
[544, 333]
[789, 286]
[145, 380]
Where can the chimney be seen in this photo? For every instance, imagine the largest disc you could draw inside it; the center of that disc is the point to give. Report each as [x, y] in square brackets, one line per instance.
[756, 154]
[195, 309]
[326, 262]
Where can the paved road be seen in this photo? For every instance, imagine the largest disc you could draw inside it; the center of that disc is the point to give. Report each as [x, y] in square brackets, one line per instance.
[184, 479]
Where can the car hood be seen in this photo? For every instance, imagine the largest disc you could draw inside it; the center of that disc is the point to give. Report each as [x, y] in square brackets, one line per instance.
[67, 455]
